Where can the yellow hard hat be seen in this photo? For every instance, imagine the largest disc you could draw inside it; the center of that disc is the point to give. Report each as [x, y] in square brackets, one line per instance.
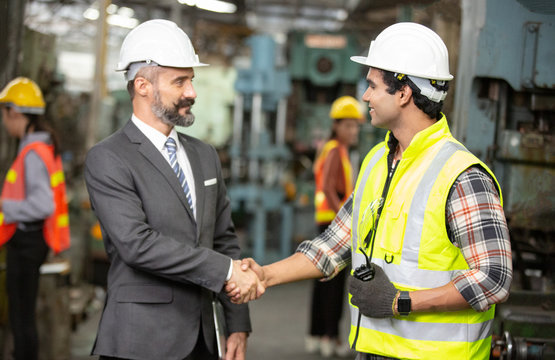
[24, 95]
[346, 107]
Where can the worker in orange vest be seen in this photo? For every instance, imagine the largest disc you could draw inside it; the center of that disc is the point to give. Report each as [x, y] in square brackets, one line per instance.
[333, 174]
[33, 208]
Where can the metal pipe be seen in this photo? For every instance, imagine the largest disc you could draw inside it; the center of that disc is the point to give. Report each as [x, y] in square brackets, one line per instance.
[281, 122]
[256, 126]
[237, 137]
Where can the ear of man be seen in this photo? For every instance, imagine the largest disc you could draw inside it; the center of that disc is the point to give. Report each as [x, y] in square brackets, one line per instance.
[404, 96]
[142, 86]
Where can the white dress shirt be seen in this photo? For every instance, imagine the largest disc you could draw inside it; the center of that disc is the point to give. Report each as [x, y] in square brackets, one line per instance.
[159, 141]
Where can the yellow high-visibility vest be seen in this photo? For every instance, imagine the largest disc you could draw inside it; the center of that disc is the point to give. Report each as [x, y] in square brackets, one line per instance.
[411, 244]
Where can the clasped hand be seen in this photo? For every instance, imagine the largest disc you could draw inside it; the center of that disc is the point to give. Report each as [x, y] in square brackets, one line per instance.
[247, 281]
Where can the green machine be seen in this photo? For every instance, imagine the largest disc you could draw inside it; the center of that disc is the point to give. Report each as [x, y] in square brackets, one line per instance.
[321, 71]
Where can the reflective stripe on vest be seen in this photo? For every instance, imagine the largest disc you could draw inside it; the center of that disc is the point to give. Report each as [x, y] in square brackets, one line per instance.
[323, 213]
[357, 257]
[56, 226]
[424, 184]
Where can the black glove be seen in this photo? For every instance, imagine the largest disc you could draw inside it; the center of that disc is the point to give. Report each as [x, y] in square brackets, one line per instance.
[374, 298]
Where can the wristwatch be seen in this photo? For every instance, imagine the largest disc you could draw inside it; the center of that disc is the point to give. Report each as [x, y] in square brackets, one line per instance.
[403, 303]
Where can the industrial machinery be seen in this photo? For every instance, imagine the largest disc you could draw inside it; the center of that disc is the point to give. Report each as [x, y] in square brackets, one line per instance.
[321, 72]
[505, 114]
[258, 152]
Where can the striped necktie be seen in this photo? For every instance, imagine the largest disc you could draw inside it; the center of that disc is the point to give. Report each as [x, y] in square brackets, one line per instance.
[171, 146]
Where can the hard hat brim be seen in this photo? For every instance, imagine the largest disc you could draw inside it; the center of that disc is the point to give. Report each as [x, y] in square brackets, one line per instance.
[363, 60]
[173, 66]
[24, 109]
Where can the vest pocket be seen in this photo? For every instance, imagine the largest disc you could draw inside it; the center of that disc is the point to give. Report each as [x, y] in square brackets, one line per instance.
[392, 232]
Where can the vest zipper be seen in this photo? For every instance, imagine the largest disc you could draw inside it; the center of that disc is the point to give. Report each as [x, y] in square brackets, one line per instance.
[372, 234]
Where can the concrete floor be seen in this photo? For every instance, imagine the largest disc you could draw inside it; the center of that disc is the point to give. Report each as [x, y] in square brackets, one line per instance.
[279, 319]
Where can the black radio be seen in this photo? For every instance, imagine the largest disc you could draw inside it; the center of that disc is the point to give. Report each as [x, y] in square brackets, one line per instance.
[364, 272]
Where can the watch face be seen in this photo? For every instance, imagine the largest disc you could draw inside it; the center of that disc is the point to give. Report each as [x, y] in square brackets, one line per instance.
[403, 303]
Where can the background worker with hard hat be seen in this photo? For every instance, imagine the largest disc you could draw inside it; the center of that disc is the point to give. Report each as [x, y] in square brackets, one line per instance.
[333, 174]
[424, 229]
[161, 203]
[33, 208]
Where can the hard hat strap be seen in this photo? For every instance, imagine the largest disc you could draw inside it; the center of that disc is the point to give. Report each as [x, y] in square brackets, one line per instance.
[432, 89]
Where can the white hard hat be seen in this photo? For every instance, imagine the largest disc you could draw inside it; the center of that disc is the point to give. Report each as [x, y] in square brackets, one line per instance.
[157, 42]
[410, 49]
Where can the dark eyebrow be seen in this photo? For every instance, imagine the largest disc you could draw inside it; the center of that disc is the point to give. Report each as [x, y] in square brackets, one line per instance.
[371, 82]
[181, 78]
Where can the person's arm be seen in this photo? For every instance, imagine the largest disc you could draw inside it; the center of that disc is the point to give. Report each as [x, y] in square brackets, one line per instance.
[331, 174]
[477, 225]
[294, 268]
[323, 257]
[39, 197]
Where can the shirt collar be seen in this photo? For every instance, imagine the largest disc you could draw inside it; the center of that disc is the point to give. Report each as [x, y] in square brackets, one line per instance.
[155, 136]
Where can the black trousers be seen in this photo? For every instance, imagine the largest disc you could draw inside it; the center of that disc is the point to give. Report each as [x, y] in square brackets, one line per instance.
[327, 304]
[26, 251]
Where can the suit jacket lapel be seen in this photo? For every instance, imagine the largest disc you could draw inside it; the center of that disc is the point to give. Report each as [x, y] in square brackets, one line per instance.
[194, 160]
[149, 151]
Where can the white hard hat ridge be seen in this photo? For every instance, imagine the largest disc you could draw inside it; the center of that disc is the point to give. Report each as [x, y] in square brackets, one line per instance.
[157, 41]
[410, 49]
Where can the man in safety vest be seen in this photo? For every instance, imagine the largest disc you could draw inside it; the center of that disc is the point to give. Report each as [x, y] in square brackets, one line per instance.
[424, 228]
[33, 207]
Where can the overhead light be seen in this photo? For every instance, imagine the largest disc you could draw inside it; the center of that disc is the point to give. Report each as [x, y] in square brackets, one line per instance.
[122, 17]
[211, 5]
[125, 11]
[122, 21]
[111, 9]
[91, 14]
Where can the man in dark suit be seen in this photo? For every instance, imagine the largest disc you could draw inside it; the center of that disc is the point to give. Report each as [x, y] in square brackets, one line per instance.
[166, 220]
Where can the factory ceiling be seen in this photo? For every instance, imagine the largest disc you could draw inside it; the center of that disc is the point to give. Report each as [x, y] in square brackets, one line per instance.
[69, 17]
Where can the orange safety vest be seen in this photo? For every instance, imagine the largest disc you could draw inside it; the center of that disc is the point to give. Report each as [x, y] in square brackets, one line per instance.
[56, 226]
[324, 214]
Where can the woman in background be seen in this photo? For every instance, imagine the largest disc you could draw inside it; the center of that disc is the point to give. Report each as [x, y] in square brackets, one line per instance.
[333, 174]
[33, 208]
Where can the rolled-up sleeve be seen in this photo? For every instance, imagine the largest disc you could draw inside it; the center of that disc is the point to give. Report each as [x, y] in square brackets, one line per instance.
[477, 225]
[330, 251]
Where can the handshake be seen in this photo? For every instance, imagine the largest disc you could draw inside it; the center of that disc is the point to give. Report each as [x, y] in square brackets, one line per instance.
[247, 281]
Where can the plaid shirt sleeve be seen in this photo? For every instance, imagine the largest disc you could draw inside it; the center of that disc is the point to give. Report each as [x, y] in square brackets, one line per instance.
[330, 251]
[476, 224]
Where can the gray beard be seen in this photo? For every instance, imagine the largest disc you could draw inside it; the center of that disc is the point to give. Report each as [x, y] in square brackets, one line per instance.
[171, 116]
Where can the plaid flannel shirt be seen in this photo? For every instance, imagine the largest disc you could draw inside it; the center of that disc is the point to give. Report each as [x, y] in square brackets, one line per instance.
[476, 224]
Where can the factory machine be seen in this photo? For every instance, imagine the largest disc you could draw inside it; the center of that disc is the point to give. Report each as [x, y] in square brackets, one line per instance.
[258, 153]
[505, 114]
[321, 72]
